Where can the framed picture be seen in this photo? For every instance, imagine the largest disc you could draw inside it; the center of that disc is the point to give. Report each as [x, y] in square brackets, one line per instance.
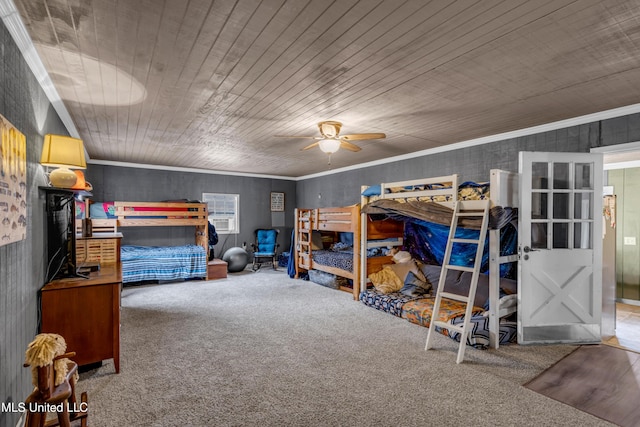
[13, 183]
[277, 202]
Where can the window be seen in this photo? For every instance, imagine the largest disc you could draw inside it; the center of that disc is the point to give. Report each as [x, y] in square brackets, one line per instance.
[223, 211]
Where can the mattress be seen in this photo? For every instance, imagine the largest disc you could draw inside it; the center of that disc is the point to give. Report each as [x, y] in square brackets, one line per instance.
[391, 303]
[164, 263]
[419, 312]
[337, 259]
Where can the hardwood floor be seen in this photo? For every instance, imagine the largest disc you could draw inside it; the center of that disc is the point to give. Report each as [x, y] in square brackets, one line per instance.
[601, 379]
[598, 379]
[627, 328]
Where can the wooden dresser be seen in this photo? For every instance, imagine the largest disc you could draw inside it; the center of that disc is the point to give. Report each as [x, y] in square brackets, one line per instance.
[86, 312]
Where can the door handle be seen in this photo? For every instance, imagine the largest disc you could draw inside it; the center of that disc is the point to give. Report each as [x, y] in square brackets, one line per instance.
[528, 249]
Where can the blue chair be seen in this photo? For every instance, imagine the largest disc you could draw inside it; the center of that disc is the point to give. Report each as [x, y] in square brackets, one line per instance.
[265, 248]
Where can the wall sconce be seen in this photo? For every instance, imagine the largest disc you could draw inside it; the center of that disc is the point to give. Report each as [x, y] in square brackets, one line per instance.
[64, 153]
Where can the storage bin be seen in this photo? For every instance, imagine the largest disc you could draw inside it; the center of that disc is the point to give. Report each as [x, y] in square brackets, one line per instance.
[327, 279]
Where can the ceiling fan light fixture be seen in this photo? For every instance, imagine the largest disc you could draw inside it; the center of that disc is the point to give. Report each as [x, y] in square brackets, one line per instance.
[329, 146]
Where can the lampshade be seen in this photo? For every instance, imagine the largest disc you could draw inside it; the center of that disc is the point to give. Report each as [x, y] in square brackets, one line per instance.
[329, 146]
[64, 153]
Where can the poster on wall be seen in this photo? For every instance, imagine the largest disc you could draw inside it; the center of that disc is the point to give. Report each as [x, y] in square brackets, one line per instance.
[13, 184]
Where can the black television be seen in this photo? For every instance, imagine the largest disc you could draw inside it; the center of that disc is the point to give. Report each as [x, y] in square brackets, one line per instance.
[60, 232]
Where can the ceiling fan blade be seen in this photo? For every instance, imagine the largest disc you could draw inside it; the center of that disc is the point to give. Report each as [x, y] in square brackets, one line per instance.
[296, 136]
[315, 144]
[362, 136]
[349, 146]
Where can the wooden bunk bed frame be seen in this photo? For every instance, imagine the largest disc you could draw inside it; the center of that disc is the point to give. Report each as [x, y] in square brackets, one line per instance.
[503, 192]
[157, 214]
[341, 219]
[365, 219]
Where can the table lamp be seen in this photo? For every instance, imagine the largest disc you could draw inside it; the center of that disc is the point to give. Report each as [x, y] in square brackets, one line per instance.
[63, 153]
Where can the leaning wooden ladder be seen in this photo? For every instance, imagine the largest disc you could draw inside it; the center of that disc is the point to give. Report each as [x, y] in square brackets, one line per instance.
[474, 208]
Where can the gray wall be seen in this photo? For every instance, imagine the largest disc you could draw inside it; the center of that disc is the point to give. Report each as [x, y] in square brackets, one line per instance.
[150, 185]
[472, 163]
[24, 104]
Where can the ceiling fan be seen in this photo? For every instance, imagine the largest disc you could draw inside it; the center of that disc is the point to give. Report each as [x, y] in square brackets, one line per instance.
[331, 141]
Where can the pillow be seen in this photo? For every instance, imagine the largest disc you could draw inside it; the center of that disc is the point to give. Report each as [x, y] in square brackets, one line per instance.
[505, 301]
[432, 276]
[458, 282]
[401, 257]
[403, 269]
[339, 246]
[102, 210]
[386, 281]
[96, 211]
[414, 287]
[414, 291]
[80, 207]
[374, 190]
[346, 238]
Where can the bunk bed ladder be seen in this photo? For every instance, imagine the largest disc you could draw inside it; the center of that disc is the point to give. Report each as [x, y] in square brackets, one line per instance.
[474, 208]
[303, 229]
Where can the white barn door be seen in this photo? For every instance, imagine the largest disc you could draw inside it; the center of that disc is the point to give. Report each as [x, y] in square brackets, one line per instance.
[560, 248]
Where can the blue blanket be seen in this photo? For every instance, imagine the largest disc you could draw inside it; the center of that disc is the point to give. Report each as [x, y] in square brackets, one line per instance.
[163, 263]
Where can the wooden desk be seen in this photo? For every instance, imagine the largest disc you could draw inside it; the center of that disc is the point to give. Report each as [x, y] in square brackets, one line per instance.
[86, 312]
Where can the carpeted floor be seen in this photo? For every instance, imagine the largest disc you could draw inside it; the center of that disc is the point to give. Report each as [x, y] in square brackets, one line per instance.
[264, 349]
[598, 379]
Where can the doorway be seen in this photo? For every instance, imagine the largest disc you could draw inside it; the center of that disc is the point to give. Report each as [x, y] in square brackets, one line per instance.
[627, 328]
[619, 159]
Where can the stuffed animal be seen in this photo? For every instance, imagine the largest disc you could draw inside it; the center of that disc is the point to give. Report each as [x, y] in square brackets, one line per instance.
[42, 352]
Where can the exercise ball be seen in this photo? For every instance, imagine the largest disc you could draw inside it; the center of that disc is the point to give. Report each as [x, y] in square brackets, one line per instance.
[236, 259]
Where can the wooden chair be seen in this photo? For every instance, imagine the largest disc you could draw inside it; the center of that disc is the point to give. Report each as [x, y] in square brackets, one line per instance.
[42, 400]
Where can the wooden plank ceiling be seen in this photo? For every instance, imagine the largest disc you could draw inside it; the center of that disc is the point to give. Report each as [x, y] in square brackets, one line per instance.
[207, 84]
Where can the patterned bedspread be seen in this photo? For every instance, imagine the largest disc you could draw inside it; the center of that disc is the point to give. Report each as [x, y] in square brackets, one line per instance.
[418, 310]
[466, 191]
[337, 259]
[391, 303]
[163, 263]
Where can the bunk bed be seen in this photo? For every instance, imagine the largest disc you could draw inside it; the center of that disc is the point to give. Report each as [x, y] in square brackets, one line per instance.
[143, 263]
[310, 253]
[340, 255]
[429, 201]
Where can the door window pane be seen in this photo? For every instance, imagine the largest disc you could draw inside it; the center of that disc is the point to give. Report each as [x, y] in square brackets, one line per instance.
[560, 235]
[561, 175]
[584, 176]
[539, 205]
[582, 235]
[583, 206]
[539, 175]
[561, 205]
[539, 235]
